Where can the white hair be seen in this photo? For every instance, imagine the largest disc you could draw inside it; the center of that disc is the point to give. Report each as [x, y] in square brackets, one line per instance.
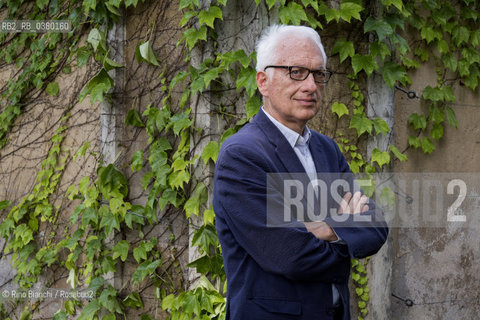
[273, 35]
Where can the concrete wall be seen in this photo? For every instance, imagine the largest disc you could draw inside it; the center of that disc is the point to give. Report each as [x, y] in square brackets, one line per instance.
[103, 126]
[438, 268]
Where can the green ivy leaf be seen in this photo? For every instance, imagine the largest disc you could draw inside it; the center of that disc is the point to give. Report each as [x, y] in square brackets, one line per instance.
[157, 159]
[97, 38]
[366, 63]
[427, 145]
[450, 61]
[397, 3]
[89, 4]
[270, 3]
[4, 204]
[210, 75]
[460, 35]
[109, 64]
[417, 121]
[437, 131]
[208, 216]
[339, 109]
[192, 36]
[387, 198]
[400, 156]
[97, 87]
[381, 27]
[89, 215]
[344, 48]
[293, 13]
[134, 118]
[208, 17]
[144, 269]
[227, 59]
[392, 73]
[452, 119]
[187, 16]
[380, 157]
[359, 291]
[475, 38]
[430, 34]
[177, 178]
[83, 54]
[312, 3]
[90, 310]
[137, 161]
[192, 4]
[133, 300]
[350, 10]
[190, 304]
[26, 314]
[436, 114]
[361, 123]
[247, 79]
[210, 152]
[112, 182]
[473, 78]
[52, 89]
[60, 315]
[438, 94]
[109, 222]
[121, 250]
[191, 206]
[379, 48]
[204, 237]
[144, 52]
[180, 121]
[140, 253]
[108, 300]
[380, 126]
[41, 3]
[414, 142]
[252, 106]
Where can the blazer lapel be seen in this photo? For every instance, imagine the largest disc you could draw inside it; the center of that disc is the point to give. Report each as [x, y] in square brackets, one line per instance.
[283, 150]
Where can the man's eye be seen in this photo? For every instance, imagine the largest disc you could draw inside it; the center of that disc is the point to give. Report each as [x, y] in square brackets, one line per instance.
[296, 72]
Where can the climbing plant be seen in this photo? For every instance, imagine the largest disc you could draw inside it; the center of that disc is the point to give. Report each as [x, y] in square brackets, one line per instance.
[397, 37]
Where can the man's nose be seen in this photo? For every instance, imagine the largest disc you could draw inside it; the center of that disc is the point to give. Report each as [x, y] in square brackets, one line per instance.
[309, 83]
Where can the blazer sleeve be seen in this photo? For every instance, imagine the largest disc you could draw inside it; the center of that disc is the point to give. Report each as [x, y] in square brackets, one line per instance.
[365, 236]
[240, 190]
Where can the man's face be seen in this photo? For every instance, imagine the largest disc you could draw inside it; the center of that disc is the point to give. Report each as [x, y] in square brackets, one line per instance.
[292, 102]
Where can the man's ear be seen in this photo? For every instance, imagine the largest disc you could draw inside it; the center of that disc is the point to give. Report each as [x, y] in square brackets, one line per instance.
[262, 83]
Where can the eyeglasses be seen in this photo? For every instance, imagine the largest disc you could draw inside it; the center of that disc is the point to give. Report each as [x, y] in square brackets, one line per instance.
[301, 73]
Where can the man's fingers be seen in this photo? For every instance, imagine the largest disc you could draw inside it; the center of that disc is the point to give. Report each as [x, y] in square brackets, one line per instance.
[360, 202]
[365, 208]
[345, 204]
[355, 203]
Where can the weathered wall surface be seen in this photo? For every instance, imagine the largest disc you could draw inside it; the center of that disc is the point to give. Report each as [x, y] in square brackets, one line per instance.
[438, 269]
[102, 125]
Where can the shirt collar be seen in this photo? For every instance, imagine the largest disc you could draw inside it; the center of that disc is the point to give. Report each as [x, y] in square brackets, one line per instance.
[292, 137]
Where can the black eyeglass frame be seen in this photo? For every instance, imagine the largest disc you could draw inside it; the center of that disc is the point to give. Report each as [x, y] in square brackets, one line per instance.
[327, 73]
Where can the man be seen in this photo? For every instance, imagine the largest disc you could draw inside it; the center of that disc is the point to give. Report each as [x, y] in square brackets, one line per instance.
[301, 271]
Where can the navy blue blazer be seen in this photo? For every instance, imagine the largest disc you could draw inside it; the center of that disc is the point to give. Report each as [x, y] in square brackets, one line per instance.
[279, 273]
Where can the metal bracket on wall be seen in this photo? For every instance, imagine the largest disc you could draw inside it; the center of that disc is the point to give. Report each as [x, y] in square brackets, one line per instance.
[410, 94]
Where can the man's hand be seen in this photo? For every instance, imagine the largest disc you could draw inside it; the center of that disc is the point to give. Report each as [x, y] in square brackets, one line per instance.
[349, 205]
[355, 204]
[321, 230]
